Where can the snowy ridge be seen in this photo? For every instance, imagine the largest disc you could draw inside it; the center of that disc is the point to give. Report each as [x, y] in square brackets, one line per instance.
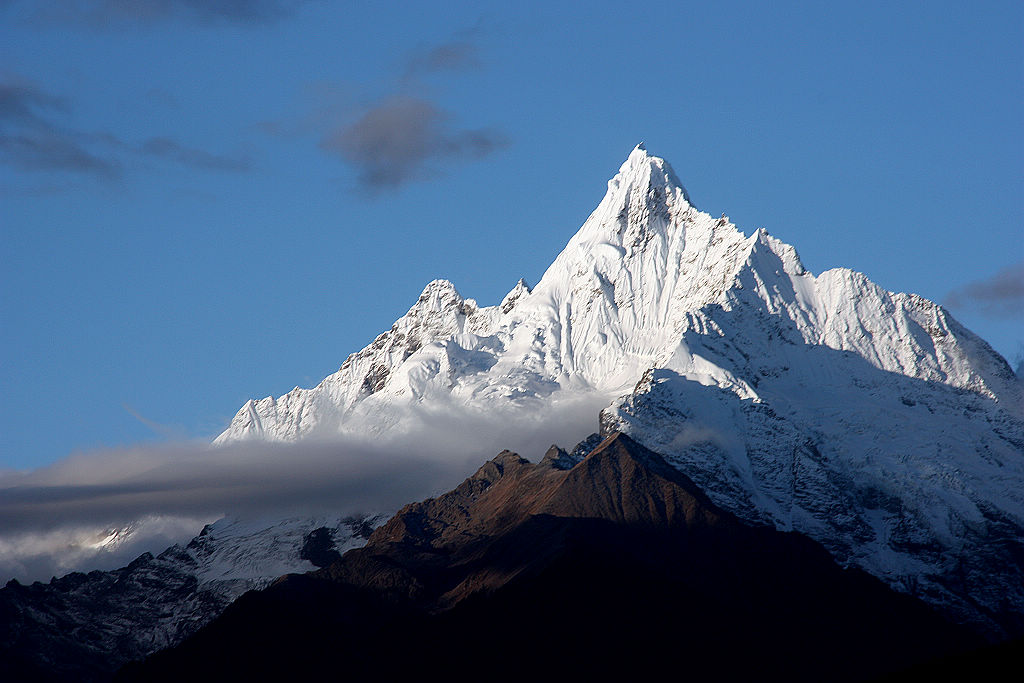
[870, 420]
[241, 554]
[84, 626]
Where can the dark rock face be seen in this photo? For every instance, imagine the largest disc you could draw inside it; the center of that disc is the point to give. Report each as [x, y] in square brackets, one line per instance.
[82, 627]
[318, 548]
[616, 567]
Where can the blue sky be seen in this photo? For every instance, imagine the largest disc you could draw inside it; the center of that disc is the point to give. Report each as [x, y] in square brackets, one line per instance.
[203, 202]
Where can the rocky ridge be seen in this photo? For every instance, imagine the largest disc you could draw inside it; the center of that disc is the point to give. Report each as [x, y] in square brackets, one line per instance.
[83, 626]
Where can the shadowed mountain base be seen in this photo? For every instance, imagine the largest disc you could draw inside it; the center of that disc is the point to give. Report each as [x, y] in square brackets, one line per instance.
[617, 567]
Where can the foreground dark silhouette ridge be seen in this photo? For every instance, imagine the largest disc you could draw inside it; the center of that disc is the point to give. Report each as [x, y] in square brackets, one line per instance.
[615, 566]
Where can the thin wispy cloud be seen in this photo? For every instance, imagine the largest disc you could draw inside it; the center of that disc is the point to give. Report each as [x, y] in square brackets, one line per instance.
[117, 13]
[23, 103]
[41, 190]
[401, 138]
[36, 136]
[454, 55]
[176, 432]
[325, 105]
[31, 139]
[999, 296]
[170, 149]
[52, 150]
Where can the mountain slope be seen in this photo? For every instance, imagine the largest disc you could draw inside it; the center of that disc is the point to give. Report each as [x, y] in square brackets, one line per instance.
[618, 565]
[82, 627]
[870, 420]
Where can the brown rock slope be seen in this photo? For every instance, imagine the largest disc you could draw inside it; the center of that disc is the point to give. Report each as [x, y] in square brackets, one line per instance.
[617, 567]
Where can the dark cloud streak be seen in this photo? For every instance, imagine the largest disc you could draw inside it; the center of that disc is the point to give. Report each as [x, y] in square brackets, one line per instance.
[404, 136]
[31, 139]
[253, 479]
[52, 150]
[105, 14]
[398, 139]
[19, 102]
[1000, 296]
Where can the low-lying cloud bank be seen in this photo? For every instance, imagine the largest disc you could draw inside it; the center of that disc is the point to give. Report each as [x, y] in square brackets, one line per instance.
[38, 555]
[57, 518]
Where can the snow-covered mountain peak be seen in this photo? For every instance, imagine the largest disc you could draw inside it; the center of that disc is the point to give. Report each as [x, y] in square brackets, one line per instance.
[871, 420]
[643, 181]
[648, 281]
[646, 168]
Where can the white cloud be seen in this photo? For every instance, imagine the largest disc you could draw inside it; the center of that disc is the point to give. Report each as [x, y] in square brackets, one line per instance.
[51, 517]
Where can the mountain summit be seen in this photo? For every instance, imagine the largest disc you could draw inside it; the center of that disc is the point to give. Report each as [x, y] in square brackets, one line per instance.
[870, 420]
